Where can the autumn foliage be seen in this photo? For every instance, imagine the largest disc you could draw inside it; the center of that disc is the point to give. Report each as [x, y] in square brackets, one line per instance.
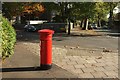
[20, 8]
[34, 8]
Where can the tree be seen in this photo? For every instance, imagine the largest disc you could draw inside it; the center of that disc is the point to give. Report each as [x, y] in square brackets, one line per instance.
[33, 10]
[101, 12]
[111, 6]
[11, 9]
[84, 11]
[92, 12]
[64, 11]
[51, 6]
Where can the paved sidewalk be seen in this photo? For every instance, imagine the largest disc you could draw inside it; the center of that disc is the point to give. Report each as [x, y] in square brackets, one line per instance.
[81, 62]
[24, 63]
[68, 62]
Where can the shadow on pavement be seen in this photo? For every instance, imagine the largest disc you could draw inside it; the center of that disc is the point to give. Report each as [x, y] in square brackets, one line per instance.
[109, 32]
[27, 36]
[74, 35]
[114, 35]
[36, 72]
[19, 69]
[34, 36]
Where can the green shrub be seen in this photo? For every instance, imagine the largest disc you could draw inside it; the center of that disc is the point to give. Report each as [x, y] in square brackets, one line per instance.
[7, 39]
[0, 36]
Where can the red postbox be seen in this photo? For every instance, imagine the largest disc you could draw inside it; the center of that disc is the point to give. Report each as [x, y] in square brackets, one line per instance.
[46, 48]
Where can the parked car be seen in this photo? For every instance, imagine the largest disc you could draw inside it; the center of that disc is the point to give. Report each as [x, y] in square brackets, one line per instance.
[29, 27]
[94, 26]
[33, 25]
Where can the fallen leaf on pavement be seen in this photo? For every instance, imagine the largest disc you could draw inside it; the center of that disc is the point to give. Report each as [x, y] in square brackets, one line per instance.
[93, 65]
[77, 47]
[99, 57]
[71, 47]
[105, 50]
[65, 46]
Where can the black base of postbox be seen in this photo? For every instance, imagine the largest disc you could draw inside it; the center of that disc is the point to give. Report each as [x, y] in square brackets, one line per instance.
[45, 66]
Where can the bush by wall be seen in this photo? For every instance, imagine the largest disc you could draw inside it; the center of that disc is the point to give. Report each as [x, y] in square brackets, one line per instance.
[8, 38]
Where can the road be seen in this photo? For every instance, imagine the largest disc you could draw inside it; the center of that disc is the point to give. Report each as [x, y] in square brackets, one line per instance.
[91, 42]
[88, 42]
[83, 63]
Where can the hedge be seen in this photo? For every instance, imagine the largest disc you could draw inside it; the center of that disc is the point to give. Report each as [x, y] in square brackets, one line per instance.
[7, 39]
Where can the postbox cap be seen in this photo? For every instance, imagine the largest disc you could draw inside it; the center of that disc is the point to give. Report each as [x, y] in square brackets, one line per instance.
[46, 31]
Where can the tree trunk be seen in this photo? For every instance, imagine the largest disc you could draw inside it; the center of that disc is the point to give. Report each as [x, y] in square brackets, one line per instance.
[81, 24]
[111, 19]
[63, 11]
[73, 24]
[99, 23]
[18, 19]
[85, 24]
[69, 27]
